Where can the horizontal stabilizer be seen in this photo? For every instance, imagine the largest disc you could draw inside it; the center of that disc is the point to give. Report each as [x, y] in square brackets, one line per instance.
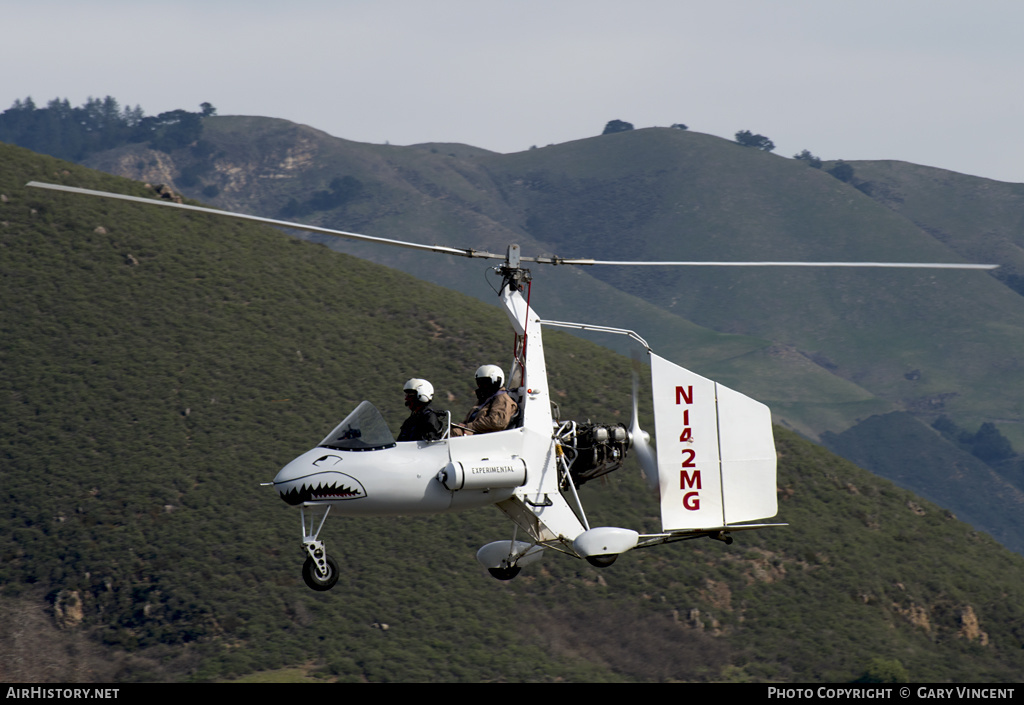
[715, 449]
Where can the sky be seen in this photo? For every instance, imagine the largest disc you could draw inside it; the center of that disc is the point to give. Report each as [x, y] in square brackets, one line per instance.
[933, 82]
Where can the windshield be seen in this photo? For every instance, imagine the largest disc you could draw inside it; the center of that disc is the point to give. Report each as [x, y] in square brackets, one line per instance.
[363, 429]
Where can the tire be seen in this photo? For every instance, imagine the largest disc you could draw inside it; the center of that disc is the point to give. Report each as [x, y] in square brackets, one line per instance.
[602, 561]
[318, 582]
[504, 573]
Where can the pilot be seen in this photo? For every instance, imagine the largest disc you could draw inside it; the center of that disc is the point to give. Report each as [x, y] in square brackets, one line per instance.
[423, 424]
[495, 408]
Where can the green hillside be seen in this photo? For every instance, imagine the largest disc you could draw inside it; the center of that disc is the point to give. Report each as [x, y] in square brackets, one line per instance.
[159, 366]
[900, 448]
[978, 218]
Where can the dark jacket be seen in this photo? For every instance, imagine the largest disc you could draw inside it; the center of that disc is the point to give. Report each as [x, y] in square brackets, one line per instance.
[423, 425]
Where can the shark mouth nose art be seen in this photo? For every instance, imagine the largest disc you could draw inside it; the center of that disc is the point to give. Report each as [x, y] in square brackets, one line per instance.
[322, 484]
[320, 488]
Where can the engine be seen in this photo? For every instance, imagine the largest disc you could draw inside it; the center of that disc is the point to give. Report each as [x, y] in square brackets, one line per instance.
[592, 450]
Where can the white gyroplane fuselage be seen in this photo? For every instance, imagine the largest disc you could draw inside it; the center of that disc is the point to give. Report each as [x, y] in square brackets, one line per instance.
[360, 468]
[707, 488]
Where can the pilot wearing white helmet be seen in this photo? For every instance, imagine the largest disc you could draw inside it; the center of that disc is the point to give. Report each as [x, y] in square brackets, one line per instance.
[495, 408]
[423, 424]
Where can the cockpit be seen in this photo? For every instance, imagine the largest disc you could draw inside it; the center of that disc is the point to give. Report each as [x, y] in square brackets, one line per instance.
[363, 429]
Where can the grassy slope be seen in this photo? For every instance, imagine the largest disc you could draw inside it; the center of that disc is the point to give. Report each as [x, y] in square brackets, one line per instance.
[980, 219]
[898, 447]
[145, 402]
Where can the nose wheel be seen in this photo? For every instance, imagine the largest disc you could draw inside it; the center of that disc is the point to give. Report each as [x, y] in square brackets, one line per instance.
[320, 575]
[320, 571]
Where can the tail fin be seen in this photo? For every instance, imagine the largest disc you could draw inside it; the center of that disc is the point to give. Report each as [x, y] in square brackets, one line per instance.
[716, 452]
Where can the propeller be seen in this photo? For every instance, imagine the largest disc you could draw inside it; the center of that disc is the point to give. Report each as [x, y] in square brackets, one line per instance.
[640, 440]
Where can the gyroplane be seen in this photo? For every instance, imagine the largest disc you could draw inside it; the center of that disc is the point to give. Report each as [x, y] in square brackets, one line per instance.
[713, 464]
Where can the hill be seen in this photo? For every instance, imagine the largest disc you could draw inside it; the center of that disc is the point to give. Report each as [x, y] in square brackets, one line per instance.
[158, 367]
[826, 349]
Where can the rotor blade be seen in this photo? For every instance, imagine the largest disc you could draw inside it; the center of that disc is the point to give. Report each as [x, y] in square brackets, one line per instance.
[270, 221]
[463, 252]
[909, 265]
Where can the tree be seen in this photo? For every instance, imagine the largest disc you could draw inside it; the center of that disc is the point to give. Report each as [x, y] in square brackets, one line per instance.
[990, 445]
[842, 171]
[881, 670]
[99, 124]
[748, 139]
[173, 129]
[947, 428]
[133, 116]
[806, 156]
[617, 126]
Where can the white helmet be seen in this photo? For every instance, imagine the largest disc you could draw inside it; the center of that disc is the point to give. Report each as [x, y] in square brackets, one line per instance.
[424, 389]
[491, 372]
